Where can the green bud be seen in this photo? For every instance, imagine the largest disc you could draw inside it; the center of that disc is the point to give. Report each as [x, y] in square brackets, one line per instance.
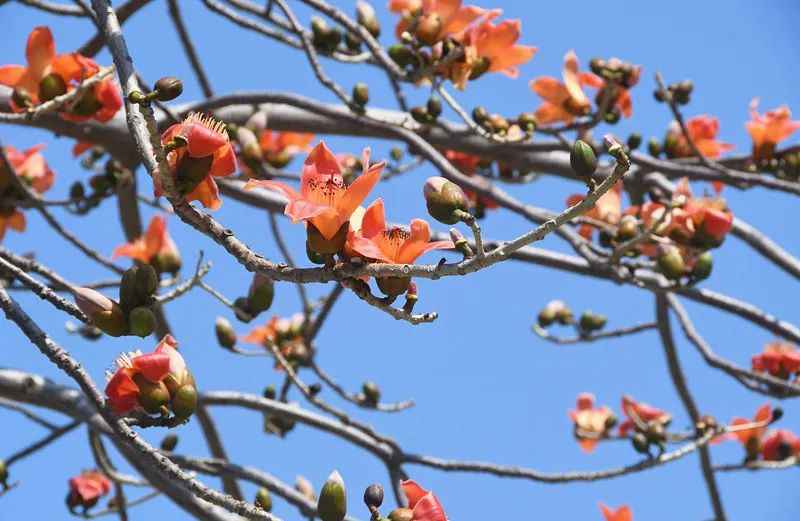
[129, 294]
[168, 88]
[261, 294]
[527, 120]
[360, 94]
[434, 106]
[479, 115]
[225, 334]
[169, 442]
[401, 514]
[142, 322]
[670, 262]
[269, 392]
[628, 228]
[641, 443]
[51, 86]
[582, 159]
[332, 503]
[396, 153]
[152, 395]
[352, 42]
[703, 265]
[264, 499]
[184, 401]
[76, 191]
[104, 312]
[565, 317]
[420, 114]
[146, 281]
[445, 200]
[371, 391]
[634, 140]
[591, 322]
[365, 15]
[654, 147]
[400, 54]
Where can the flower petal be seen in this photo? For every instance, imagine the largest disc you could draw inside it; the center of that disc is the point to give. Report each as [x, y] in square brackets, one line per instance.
[40, 48]
[153, 366]
[11, 74]
[276, 186]
[358, 191]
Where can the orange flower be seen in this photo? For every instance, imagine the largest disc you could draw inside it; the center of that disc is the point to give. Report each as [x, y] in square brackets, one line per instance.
[276, 330]
[705, 218]
[591, 423]
[623, 513]
[491, 48]
[423, 503]
[155, 247]
[32, 169]
[562, 101]
[608, 208]
[779, 359]
[207, 154]
[769, 129]
[280, 147]
[434, 19]
[640, 412]
[49, 75]
[85, 490]
[324, 201]
[751, 438]
[703, 130]
[779, 445]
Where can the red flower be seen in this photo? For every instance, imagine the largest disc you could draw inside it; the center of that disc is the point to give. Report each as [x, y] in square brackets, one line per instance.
[562, 101]
[155, 247]
[751, 437]
[49, 75]
[769, 129]
[779, 445]
[623, 513]
[703, 130]
[590, 420]
[207, 154]
[324, 200]
[778, 359]
[424, 504]
[86, 489]
[32, 169]
[640, 412]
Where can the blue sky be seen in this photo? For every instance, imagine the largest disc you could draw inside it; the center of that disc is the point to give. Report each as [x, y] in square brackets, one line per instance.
[487, 388]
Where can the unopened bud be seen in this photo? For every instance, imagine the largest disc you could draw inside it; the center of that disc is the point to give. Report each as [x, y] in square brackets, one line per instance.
[591, 322]
[634, 140]
[641, 443]
[401, 514]
[261, 294]
[461, 243]
[251, 149]
[411, 298]
[682, 92]
[365, 15]
[142, 322]
[264, 499]
[479, 115]
[104, 312]
[304, 486]
[269, 392]
[583, 159]
[332, 503]
[499, 123]
[445, 200]
[225, 334]
[146, 281]
[628, 228]
[434, 106]
[393, 286]
[153, 396]
[703, 265]
[184, 401]
[400, 54]
[373, 496]
[51, 86]
[372, 393]
[654, 147]
[527, 121]
[429, 28]
[670, 262]
[168, 88]
[169, 442]
[777, 414]
[257, 122]
[420, 114]
[319, 244]
[396, 153]
[360, 94]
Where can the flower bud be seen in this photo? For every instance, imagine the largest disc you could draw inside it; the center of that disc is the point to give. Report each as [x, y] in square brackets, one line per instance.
[420, 114]
[141, 321]
[257, 122]
[499, 123]
[401, 514]
[641, 443]
[261, 293]
[168, 88]
[184, 401]
[461, 243]
[87, 105]
[146, 281]
[396, 153]
[634, 140]
[153, 396]
[681, 92]
[582, 159]
[332, 503]
[360, 94]
[167, 261]
[21, 98]
[4, 474]
[434, 106]
[51, 86]
[670, 262]
[445, 200]
[304, 486]
[411, 298]
[365, 15]
[400, 54]
[429, 27]
[104, 312]
[479, 115]
[591, 322]
[527, 121]
[251, 149]
[628, 228]
[702, 266]
[373, 496]
[225, 334]
[264, 499]
[319, 31]
[353, 42]
[169, 442]
[371, 392]
[654, 147]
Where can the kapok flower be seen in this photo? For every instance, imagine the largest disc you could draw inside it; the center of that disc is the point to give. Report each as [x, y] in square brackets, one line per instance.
[769, 129]
[392, 245]
[752, 438]
[562, 101]
[423, 503]
[324, 202]
[638, 413]
[779, 359]
[279, 148]
[434, 19]
[623, 513]
[286, 334]
[706, 219]
[591, 423]
[32, 169]
[779, 445]
[155, 382]
[703, 130]
[491, 48]
[85, 490]
[155, 247]
[49, 75]
[200, 151]
[608, 209]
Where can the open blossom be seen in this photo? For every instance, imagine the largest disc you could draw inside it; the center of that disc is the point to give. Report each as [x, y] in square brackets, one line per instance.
[608, 208]
[562, 101]
[85, 490]
[769, 129]
[32, 169]
[623, 513]
[48, 75]
[751, 437]
[779, 445]
[779, 359]
[490, 47]
[703, 130]
[152, 382]
[423, 503]
[200, 152]
[434, 19]
[640, 412]
[324, 201]
[155, 247]
[286, 334]
[591, 423]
